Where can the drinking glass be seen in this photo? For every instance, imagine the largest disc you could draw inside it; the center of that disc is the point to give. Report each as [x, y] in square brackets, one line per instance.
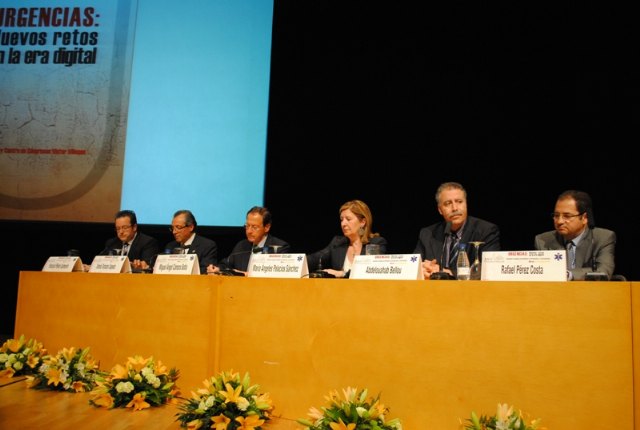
[275, 248]
[372, 249]
[476, 267]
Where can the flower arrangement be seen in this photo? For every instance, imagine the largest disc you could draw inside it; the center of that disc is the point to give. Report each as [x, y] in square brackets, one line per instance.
[140, 383]
[70, 370]
[354, 412]
[226, 403]
[505, 419]
[20, 357]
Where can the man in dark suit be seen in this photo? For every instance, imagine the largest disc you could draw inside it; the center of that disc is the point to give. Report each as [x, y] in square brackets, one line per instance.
[439, 242]
[258, 240]
[183, 227]
[589, 248]
[139, 247]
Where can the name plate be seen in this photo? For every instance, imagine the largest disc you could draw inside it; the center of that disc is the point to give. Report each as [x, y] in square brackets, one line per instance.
[550, 265]
[177, 264]
[63, 264]
[387, 266]
[110, 264]
[278, 266]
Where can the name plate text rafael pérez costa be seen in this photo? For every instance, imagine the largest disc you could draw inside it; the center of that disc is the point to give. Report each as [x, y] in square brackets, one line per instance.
[550, 265]
[387, 266]
[110, 264]
[278, 266]
[63, 264]
[177, 264]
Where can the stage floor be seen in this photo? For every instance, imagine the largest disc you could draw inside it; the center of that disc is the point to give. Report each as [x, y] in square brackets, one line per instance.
[27, 408]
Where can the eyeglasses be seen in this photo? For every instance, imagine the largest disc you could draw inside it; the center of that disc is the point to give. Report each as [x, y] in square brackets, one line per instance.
[123, 228]
[252, 227]
[568, 217]
[177, 227]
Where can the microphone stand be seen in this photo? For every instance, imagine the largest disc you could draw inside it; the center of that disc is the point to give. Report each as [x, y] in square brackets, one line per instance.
[319, 273]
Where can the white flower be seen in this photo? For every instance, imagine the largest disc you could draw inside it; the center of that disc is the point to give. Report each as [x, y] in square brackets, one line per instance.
[124, 387]
[211, 400]
[3, 357]
[242, 403]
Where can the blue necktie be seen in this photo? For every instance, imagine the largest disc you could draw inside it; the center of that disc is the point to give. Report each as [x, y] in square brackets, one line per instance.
[571, 254]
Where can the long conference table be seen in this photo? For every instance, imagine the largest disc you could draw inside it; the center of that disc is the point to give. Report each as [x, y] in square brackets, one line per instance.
[565, 352]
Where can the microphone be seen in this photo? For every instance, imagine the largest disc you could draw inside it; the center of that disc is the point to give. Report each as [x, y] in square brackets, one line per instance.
[319, 272]
[224, 268]
[442, 275]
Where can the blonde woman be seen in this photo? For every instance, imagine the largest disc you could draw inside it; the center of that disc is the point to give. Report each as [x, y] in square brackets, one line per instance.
[336, 259]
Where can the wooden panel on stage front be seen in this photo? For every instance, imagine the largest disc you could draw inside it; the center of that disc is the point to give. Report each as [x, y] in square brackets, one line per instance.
[435, 350]
[438, 350]
[635, 301]
[169, 317]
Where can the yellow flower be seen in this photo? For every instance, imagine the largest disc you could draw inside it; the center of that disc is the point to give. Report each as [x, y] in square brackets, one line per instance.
[14, 345]
[230, 376]
[220, 422]
[315, 413]
[504, 412]
[68, 353]
[33, 361]
[8, 373]
[350, 394]
[137, 363]
[174, 393]
[32, 381]
[377, 410]
[250, 422]
[333, 397]
[160, 369]
[103, 399]
[119, 372]
[342, 426]
[230, 394]
[53, 376]
[138, 402]
[263, 401]
[78, 386]
[194, 425]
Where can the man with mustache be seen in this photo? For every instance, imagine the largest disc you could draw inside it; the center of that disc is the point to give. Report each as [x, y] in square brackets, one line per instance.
[439, 241]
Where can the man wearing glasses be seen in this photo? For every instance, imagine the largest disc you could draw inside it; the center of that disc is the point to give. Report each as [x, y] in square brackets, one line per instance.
[589, 248]
[183, 227]
[258, 240]
[139, 247]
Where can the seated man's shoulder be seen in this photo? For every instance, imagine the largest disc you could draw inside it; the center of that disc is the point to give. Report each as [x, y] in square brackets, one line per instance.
[483, 222]
[204, 239]
[603, 232]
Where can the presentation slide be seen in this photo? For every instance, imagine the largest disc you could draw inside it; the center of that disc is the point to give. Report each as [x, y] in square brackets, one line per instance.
[147, 105]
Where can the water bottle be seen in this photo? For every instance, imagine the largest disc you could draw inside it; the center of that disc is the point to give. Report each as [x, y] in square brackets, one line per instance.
[464, 270]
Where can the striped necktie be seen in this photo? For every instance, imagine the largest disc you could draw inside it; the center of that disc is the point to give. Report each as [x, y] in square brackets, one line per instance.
[453, 249]
[125, 248]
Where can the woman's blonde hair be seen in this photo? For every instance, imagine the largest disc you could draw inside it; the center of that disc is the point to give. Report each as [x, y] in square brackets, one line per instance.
[362, 211]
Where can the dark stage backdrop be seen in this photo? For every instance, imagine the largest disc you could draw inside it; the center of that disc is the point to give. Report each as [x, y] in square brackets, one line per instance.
[516, 102]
